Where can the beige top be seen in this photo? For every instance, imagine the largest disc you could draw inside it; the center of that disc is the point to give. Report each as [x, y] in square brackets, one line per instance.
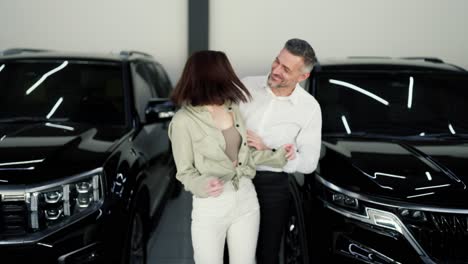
[233, 142]
[199, 150]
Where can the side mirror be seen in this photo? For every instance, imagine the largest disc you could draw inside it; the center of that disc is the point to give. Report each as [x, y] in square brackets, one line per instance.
[159, 110]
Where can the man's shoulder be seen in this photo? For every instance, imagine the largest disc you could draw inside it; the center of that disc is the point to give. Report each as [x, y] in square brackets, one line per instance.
[308, 100]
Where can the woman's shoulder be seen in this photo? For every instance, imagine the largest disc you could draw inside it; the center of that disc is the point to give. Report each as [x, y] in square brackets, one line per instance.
[180, 118]
[181, 115]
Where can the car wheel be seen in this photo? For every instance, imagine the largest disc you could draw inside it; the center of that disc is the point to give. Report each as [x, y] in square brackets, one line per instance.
[137, 240]
[292, 243]
[294, 238]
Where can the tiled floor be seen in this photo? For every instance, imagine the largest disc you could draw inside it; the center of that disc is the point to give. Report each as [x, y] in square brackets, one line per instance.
[171, 242]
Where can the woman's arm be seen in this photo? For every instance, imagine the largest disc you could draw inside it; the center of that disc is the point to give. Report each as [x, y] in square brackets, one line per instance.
[182, 149]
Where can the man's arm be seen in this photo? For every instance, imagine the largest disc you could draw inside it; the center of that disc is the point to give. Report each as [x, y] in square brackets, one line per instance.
[308, 143]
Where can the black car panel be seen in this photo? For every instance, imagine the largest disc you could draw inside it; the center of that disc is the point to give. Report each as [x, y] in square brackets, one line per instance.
[390, 186]
[83, 175]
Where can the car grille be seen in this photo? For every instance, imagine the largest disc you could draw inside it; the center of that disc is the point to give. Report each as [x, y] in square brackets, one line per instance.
[13, 218]
[443, 236]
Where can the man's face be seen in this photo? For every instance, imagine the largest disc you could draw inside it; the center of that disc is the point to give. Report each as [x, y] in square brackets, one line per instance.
[286, 70]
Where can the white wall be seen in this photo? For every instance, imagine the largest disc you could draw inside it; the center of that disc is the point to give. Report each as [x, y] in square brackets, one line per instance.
[252, 32]
[158, 27]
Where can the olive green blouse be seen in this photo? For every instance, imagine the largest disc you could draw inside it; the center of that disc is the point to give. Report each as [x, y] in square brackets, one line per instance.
[199, 150]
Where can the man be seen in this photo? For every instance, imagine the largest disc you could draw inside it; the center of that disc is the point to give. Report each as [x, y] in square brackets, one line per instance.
[281, 112]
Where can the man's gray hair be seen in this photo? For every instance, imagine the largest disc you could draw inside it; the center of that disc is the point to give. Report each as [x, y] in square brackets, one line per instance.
[302, 49]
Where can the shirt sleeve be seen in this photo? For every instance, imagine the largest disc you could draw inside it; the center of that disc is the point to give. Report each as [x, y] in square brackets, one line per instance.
[308, 143]
[273, 158]
[182, 150]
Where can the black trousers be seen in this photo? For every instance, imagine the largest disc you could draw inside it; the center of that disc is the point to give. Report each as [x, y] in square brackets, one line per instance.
[274, 198]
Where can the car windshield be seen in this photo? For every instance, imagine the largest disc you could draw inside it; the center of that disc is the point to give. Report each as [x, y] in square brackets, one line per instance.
[61, 90]
[418, 105]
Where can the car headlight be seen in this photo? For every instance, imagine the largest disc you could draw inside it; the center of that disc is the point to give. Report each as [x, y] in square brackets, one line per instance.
[63, 201]
[344, 200]
[347, 204]
[412, 215]
[351, 207]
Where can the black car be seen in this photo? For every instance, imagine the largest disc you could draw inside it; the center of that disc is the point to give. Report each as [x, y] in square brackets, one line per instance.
[390, 186]
[85, 160]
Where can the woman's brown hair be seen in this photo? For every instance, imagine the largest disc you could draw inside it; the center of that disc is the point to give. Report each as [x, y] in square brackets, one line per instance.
[209, 79]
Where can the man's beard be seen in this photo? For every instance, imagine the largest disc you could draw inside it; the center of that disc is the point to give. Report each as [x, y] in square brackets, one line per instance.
[274, 86]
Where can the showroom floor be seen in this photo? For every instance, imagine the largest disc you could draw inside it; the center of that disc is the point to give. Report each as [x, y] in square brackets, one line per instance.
[171, 243]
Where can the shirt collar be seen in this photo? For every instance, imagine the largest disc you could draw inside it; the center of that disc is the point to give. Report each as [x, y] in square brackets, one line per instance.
[293, 97]
[202, 108]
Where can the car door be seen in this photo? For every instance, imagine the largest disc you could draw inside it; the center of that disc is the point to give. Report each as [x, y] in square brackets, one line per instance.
[152, 139]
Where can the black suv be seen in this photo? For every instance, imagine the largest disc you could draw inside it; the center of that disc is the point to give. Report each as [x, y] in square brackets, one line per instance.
[391, 178]
[85, 161]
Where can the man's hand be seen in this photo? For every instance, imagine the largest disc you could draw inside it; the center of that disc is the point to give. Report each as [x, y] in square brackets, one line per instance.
[290, 151]
[215, 187]
[254, 140]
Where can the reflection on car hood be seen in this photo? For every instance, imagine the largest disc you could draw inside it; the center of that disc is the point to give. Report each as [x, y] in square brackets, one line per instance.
[31, 153]
[429, 172]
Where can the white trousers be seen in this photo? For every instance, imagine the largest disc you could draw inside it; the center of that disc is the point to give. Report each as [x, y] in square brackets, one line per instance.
[233, 216]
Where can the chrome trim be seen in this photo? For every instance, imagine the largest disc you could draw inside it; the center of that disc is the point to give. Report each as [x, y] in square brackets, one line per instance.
[37, 236]
[30, 194]
[13, 196]
[22, 189]
[66, 200]
[367, 219]
[378, 201]
[372, 251]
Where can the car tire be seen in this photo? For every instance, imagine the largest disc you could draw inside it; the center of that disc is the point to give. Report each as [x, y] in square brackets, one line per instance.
[294, 237]
[137, 238]
[137, 243]
[293, 249]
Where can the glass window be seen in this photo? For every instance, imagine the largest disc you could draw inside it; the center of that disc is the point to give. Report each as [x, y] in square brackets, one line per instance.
[66, 90]
[143, 87]
[403, 104]
[161, 81]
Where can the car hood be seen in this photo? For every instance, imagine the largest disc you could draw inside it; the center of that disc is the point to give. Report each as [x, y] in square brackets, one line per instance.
[32, 153]
[432, 172]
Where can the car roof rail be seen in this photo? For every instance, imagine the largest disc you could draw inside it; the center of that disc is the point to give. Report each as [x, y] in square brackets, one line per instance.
[128, 53]
[429, 59]
[13, 51]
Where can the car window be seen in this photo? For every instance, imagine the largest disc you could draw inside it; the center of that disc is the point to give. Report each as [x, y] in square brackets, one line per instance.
[162, 82]
[397, 104]
[78, 91]
[143, 87]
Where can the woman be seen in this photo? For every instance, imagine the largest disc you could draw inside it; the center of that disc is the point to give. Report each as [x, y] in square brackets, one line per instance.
[214, 162]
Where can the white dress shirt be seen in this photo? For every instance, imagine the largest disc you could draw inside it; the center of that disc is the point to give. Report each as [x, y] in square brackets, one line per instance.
[279, 120]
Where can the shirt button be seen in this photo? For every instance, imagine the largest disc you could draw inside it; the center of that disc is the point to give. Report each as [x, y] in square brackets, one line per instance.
[229, 108]
[240, 163]
[273, 149]
[237, 125]
[245, 143]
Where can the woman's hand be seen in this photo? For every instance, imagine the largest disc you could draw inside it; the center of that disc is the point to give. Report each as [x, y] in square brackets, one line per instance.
[254, 140]
[290, 151]
[215, 187]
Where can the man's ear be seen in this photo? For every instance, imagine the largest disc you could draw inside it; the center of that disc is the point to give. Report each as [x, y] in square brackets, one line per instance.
[303, 76]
